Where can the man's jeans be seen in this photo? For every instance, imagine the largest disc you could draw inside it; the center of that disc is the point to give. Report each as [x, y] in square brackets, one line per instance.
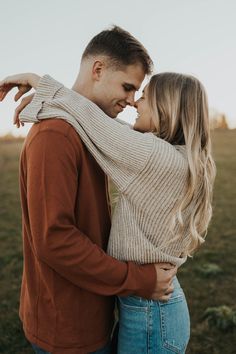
[105, 350]
[147, 326]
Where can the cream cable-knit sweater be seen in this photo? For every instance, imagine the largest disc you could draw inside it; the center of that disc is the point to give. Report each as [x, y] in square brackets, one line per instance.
[149, 173]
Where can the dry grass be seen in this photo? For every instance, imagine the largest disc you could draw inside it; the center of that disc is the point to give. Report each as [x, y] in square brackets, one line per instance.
[216, 258]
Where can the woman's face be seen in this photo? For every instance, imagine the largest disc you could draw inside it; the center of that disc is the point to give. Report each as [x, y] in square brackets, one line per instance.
[144, 122]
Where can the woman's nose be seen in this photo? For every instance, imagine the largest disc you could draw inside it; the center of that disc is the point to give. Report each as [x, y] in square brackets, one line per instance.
[136, 103]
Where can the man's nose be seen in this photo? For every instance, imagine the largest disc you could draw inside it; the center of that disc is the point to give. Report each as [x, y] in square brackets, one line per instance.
[130, 99]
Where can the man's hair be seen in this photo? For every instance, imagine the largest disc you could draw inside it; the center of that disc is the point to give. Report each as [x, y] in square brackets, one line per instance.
[120, 47]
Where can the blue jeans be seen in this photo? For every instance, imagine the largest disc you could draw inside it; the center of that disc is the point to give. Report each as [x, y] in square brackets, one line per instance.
[39, 350]
[105, 350]
[151, 327]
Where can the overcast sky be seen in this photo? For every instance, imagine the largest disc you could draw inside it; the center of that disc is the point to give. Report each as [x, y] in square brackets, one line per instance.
[191, 36]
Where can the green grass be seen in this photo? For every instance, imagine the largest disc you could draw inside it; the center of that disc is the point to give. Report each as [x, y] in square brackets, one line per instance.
[208, 279]
[12, 340]
[218, 287]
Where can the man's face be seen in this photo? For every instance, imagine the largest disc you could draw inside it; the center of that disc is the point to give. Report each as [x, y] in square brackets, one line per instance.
[115, 89]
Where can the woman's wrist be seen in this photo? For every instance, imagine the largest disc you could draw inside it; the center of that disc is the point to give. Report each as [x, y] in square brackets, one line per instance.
[34, 80]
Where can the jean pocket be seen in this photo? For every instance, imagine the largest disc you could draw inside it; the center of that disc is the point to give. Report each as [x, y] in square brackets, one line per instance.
[133, 326]
[175, 323]
[133, 303]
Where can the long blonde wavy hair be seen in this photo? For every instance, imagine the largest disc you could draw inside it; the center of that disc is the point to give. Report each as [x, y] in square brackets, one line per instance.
[180, 114]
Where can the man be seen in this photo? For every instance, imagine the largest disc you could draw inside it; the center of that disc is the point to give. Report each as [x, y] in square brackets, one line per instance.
[68, 280]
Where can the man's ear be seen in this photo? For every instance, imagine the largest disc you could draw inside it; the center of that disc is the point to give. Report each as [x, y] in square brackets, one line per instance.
[97, 70]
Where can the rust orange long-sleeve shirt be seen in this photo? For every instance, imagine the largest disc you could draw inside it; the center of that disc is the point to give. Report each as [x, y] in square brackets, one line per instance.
[68, 280]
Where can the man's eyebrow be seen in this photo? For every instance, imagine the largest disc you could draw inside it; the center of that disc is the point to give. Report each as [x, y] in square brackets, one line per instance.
[130, 86]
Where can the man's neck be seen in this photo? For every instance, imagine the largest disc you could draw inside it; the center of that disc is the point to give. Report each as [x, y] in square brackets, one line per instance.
[82, 89]
[82, 84]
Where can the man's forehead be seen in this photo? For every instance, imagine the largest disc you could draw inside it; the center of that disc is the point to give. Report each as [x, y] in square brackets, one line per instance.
[133, 77]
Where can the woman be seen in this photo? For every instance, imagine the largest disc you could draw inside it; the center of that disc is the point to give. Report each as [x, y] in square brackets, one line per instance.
[164, 173]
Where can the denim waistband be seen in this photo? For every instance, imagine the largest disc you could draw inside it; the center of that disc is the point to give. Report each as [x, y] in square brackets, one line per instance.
[177, 291]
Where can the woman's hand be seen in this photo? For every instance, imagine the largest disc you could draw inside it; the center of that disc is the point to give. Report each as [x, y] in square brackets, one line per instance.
[24, 82]
[24, 102]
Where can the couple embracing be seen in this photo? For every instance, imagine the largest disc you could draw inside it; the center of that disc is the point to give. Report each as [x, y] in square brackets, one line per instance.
[78, 260]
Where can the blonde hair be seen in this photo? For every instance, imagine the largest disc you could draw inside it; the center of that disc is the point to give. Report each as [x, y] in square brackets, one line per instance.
[180, 114]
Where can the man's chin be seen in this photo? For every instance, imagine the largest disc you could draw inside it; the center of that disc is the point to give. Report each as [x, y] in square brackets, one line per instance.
[113, 115]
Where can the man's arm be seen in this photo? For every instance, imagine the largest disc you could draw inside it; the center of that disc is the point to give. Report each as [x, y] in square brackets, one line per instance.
[52, 172]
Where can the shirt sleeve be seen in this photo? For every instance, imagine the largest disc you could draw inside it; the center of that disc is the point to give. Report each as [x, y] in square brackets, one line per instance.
[52, 177]
[120, 151]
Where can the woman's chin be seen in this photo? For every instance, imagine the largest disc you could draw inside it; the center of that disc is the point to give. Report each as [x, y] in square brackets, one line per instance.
[137, 128]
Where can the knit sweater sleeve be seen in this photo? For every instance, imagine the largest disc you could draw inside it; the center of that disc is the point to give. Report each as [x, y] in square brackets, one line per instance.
[121, 152]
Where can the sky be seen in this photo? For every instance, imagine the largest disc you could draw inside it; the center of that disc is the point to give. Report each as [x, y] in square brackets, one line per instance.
[195, 37]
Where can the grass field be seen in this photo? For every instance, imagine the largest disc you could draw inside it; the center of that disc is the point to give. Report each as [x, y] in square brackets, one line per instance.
[208, 278]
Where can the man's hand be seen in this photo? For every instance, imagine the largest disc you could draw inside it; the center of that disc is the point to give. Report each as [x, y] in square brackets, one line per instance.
[24, 102]
[24, 82]
[164, 288]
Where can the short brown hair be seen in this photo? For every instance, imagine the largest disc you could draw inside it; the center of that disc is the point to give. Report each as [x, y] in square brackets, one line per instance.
[121, 48]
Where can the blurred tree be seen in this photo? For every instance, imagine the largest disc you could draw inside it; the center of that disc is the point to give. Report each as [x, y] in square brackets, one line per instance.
[9, 137]
[218, 121]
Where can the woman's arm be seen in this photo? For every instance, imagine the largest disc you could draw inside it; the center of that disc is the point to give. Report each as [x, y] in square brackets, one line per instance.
[24, 82]
[121, 152]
